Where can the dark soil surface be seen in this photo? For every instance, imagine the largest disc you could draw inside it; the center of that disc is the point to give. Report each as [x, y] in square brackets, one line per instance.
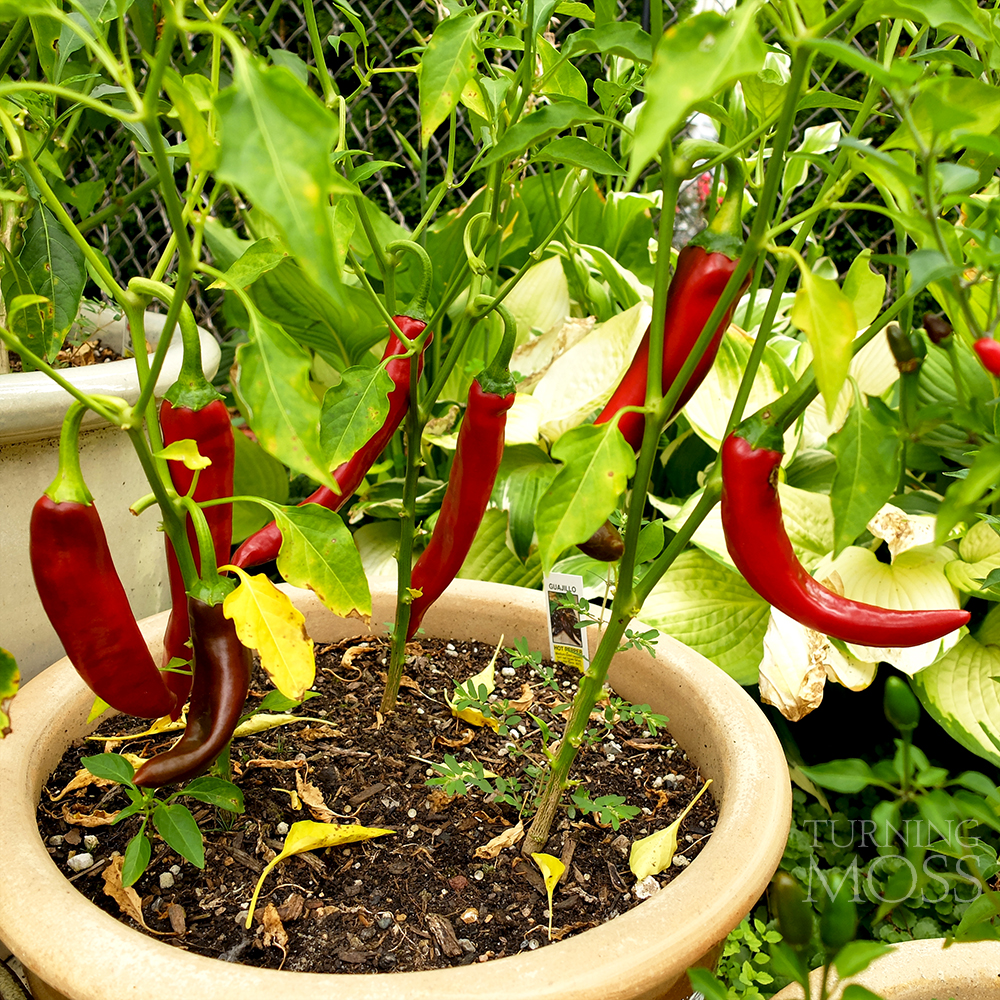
[420, 898]
[74, 356]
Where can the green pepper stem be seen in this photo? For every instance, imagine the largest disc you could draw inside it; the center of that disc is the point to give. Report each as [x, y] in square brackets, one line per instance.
[417, 307]
[496, 377]
[69, 485]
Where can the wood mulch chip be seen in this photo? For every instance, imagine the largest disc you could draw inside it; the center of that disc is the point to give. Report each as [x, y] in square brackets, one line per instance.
[418, 899]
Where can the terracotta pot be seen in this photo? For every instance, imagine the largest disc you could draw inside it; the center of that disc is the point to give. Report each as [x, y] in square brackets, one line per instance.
[922, 970]
[32, 407]
[640, 955]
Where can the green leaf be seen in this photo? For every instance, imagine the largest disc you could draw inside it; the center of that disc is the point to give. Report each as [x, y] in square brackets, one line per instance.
[176, 825]
[826, 315]
[257, 474]
[961, 695]
[204, 152]
[850, 776]
[490, 558]
[257, 259]
[537, 126]
[110, 767]
[53, 266]
[865, 288]
[856, 956]
[276, 139]
[447, 65]
[695, 60]
[275, 396]
[625, 39]
[317, 552]
[713, 610]
[10, 678]
[868, 456]
[28, 322]
[707, 984]
[525, 474]
[353, 411]
[855, 991]
[559, 76]
[136, 861]
[216, 792]
[948, 114]
[963, 498]
[597, 464]
[577, 152]
[952, 16]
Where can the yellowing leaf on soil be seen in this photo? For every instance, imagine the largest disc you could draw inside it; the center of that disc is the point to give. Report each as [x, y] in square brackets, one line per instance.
[263, 721]
[267, 621]
[309, 836]
[552, 869]
[653, 854]
[162, 725]
[486, 678]
[508, 838]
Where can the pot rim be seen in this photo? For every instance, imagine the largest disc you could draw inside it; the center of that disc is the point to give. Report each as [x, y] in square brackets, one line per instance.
[32, 406]
[630, 956]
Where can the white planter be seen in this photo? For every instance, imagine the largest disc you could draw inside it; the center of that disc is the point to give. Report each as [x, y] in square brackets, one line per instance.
[641, 955]
[921, 970]
[32, 408]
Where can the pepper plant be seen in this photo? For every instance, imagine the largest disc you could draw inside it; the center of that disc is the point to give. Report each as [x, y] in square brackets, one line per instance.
[572, 196]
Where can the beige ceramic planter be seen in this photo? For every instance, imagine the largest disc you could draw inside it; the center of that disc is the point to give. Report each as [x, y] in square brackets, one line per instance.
[31, 412]
[84, 954]
[922, 970]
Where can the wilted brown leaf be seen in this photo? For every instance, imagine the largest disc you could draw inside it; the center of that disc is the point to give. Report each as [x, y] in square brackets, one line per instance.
[99, 817]
[508, 838]
[125, 896]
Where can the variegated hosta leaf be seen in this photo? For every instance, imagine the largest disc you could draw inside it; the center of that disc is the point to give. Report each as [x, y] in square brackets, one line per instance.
[583, 379]
[523, 420]
[793, 668]
[713, 610]
[901, 531]
[961, 694]
[709, 408]
[532, 359]
[807, 516]
[914, 581]
[978, 556]
[540, 299]
[873, 368]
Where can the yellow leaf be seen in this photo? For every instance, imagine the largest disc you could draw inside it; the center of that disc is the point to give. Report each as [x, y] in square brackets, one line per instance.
[162, 725]
[99, 707]
[486, 678]
[551, 869]
[270, 720]
[309, 836]
[266, 620]
[185, 451]
[653, 854]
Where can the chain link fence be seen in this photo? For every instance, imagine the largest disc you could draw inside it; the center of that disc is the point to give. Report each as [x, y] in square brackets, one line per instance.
[384, 121]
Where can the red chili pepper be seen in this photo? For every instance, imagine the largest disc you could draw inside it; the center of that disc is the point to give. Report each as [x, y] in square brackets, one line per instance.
[988, 350]
[762, 552]
[221, 680]
[704, 267]
[264, 545]
[470, 483]
[192, 409]
[82, 595]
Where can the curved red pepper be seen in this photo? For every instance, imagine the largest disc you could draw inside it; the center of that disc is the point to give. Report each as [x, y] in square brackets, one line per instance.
[211, 428]
[264, 545]
[81, 593]
[697, 285]
[221, 680]
[762, 552]
[473, 473]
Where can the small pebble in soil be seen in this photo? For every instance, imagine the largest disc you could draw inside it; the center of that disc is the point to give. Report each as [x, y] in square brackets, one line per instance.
[470, 916]
[175, 869]
[646, 887]
[90, 842]
[680, 861]
[166, 880]
[56, 841]
[281, 829]
[383, 921]
[81, 862]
